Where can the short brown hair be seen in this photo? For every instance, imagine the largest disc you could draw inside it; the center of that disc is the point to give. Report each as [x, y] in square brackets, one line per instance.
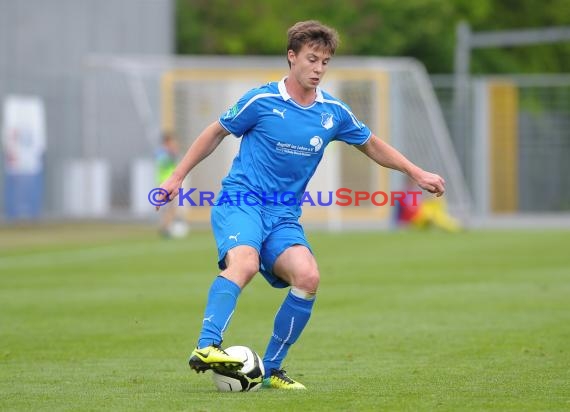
[312, 33]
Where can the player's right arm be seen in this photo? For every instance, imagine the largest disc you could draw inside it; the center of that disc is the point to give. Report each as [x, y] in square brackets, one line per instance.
[205, 143]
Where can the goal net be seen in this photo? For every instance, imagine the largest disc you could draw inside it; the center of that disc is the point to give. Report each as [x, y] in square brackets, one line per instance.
[130, 101]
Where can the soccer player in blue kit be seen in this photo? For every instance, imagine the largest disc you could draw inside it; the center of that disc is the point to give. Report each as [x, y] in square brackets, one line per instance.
[284, 128]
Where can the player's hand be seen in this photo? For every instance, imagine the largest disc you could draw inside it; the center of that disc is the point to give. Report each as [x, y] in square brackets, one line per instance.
[431, 182]
[170, 190]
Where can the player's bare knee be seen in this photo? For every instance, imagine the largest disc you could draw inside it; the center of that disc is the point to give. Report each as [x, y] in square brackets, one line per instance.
[250, 267]
[308, 280]
[246, 267]
[242, 263]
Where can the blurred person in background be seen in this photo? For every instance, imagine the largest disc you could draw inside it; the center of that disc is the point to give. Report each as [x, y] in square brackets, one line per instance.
[166, 158]
[424, 213]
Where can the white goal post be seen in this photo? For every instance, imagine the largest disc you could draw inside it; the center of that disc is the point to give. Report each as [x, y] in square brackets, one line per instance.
[393, 97]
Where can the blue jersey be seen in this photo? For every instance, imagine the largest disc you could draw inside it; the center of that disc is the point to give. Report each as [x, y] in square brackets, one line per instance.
[283, 143]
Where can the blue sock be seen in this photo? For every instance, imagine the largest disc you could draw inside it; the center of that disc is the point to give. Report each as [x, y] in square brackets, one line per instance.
[290, 321]
[222, 300]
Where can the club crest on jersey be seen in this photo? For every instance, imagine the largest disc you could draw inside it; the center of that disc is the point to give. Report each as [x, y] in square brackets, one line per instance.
[327, 120]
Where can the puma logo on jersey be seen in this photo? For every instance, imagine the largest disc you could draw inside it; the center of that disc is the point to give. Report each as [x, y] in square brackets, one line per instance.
[234, 237]
[280, 113]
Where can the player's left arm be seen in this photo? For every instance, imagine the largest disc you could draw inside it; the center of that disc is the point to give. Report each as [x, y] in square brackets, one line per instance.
[387, 156]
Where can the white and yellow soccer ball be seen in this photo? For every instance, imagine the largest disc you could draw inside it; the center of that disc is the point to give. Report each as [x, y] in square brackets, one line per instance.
[248, 378]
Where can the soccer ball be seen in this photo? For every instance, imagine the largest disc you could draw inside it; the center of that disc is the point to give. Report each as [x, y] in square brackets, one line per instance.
[178, 229]
[248, 378]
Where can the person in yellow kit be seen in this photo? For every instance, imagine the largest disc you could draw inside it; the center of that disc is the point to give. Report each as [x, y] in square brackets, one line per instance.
[166, 161]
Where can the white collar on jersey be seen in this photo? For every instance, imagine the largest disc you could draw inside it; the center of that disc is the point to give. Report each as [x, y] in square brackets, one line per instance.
[285, 95]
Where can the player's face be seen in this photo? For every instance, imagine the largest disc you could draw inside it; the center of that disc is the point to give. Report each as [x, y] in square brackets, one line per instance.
[309, 66]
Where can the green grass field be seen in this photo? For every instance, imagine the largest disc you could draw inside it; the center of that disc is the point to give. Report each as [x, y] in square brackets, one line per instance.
[104, 317]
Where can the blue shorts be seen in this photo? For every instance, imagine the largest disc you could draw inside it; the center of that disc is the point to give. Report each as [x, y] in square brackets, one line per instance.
[270, 235]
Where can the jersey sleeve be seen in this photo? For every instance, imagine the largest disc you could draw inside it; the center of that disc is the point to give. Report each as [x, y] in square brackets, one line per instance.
[242, 116]
[352, 130]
